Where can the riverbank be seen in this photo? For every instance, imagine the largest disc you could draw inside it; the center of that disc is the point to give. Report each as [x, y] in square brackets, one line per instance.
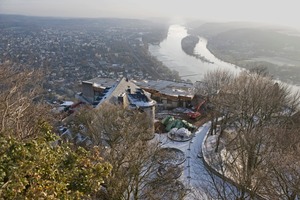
[171, 54]
[249, 45]
[288, 73]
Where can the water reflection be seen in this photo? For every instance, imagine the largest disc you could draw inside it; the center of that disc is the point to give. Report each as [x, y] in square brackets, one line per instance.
[170, 53]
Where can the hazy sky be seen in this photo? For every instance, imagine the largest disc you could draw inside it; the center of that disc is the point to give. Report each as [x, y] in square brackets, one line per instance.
[284, 12]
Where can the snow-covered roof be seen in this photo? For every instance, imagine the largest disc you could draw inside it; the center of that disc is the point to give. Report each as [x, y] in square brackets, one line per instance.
[141, 102]
[101, 82]
[135, 95]
[67, 103]
[168, 87]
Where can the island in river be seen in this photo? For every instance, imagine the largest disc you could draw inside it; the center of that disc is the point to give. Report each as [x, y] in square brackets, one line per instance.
[188, 45]
[255, 45]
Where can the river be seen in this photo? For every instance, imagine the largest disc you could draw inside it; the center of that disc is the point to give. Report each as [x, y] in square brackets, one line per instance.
[170, 53]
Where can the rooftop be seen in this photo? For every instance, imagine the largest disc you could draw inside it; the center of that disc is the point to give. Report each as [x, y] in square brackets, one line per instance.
[113, 89]
[101, 82]
[168, 87]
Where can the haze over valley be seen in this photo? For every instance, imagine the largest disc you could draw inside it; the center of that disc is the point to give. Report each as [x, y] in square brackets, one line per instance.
[143, 100]
[248, 34]
[253, 45]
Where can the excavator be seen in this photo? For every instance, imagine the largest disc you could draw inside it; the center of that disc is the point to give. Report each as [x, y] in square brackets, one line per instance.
[195, 114]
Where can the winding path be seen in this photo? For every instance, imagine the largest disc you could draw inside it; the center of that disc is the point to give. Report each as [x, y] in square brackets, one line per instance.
[196, 177]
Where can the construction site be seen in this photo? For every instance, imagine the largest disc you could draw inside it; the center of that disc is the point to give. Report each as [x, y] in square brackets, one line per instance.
[181, 123]
[173, 107]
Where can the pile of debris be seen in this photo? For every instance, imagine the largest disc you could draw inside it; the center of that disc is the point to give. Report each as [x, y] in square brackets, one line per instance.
[178, 130]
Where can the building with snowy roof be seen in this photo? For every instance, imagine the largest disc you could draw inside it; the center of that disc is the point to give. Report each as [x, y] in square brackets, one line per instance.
[122, 92]
[168, 94]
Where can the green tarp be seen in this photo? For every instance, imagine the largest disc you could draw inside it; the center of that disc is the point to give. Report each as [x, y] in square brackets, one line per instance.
[170, 123]
[167, 119]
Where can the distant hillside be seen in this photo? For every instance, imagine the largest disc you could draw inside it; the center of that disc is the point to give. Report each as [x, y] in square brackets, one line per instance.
[24, 21]
[212, 29]
[244, 44]
[249, 45]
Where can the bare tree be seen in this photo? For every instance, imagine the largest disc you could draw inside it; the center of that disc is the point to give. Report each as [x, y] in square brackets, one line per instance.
[260, 70]
[256, 108]
[211, 87]
[213, 82]
[219, 188]
[284, 172]
[20, 106]
[123, 135]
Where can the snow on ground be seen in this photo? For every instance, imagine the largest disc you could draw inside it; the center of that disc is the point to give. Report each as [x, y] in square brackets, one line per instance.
[67, 103]
[194, 171]
[196, 178]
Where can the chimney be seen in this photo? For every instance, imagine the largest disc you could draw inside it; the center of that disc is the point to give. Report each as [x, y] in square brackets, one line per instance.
[129, 90]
